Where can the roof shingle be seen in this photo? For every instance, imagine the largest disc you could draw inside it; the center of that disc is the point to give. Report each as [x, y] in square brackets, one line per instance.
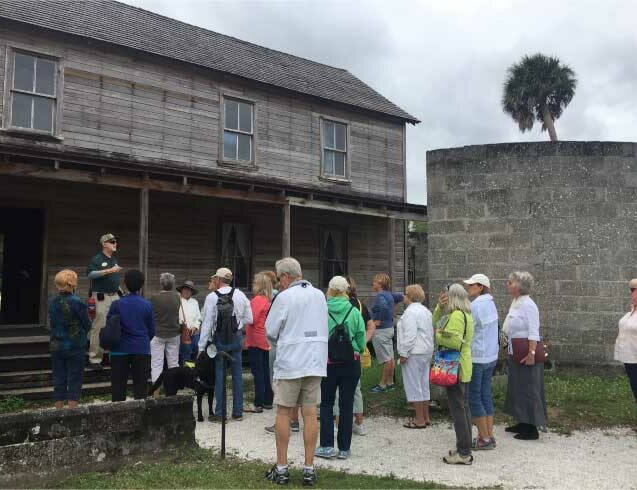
[125, 25]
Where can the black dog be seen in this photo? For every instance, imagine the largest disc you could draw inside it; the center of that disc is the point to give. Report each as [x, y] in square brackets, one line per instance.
[199, 377]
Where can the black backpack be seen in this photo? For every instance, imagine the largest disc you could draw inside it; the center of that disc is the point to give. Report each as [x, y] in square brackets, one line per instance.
[227, 325]
[339, 345]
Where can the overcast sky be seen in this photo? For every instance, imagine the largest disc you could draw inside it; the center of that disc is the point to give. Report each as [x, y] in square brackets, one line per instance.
[445, 61]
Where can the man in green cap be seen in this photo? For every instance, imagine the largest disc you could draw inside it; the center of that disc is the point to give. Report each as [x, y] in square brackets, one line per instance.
[103, 273]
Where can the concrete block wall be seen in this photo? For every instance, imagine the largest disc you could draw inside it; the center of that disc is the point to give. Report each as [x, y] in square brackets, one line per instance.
[564, 211]
[41, 446]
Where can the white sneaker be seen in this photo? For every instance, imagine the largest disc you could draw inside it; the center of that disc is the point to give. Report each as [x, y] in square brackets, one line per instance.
[359, 429]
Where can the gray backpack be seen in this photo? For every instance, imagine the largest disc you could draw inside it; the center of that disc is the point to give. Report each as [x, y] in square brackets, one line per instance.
[227, 324]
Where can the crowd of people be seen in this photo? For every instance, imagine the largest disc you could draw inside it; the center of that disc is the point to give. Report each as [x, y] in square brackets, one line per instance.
[304, 348]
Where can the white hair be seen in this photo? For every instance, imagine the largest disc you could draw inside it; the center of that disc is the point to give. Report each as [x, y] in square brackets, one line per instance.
[524, 280]
[167, 281]
[289, 266]
[457, 299]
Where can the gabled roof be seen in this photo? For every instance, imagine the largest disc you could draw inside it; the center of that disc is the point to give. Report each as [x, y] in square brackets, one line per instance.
[125, 25]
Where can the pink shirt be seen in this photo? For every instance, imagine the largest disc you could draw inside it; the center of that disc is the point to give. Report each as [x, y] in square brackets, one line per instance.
[255, 332]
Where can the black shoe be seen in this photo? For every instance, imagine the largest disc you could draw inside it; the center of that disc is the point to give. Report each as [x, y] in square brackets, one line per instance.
[309, 477]
[278, 477]
[514, 428]
[267, 407]
[214, 418]
[527, 436]
[238, 418]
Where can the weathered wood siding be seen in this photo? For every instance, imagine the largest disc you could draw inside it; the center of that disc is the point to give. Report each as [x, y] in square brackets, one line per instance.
[184, 233]
[129, 104]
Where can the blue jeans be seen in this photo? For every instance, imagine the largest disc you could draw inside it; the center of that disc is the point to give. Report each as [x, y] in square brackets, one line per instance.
[188, 352]
[480, 396]
[234, 349]
[343, 377]
[68, 369]
[260, 367]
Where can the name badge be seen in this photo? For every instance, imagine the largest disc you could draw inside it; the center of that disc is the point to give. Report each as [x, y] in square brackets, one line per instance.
[104, 264]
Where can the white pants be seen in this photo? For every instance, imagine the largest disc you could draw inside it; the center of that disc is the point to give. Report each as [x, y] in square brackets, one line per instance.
[416, 377]
[157, 347]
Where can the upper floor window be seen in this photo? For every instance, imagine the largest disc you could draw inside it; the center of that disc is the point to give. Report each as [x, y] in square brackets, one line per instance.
[334, 149]
[33, 92]
[238, 131]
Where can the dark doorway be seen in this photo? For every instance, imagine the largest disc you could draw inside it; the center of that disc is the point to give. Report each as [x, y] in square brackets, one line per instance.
[21, 235]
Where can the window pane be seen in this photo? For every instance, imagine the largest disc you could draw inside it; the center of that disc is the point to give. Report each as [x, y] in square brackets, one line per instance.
[229, 145]
[328, 134]
[21, 110]
[23, 72]
[328, 162]
[339, 163]
[45, 77]
[245, 117]
[43, 114]
[340, 137]
[245, 147]
[232, 114]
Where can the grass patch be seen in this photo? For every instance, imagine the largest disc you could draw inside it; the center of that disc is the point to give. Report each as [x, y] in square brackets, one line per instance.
[574, 402]
[11, 404]
[201, 468]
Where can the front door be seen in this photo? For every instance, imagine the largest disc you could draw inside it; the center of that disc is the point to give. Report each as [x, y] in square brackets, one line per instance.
[21, 244]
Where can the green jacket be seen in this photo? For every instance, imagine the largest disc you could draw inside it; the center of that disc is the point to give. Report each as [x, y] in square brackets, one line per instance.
[338, 308]
[450, 336]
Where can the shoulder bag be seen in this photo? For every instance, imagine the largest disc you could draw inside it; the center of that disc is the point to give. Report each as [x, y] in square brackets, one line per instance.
[444, 371]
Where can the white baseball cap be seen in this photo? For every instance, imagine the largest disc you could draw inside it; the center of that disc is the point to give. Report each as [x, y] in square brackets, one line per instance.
[478, 279]
[338, 283]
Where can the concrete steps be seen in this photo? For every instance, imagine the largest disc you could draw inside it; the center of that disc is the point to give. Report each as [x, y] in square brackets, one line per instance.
[25, 365]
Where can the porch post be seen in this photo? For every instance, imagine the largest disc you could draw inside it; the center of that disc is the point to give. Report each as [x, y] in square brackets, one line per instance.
[143, 230]
[285, 235]
[391, 252]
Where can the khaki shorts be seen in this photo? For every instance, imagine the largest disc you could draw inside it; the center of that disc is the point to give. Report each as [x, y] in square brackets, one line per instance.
[297, 392]
[383, 344]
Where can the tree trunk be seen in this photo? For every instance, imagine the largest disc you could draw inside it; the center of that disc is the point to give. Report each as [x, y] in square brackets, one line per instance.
[548, 122]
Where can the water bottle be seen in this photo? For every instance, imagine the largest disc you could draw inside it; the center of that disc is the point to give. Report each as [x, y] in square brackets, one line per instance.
[92, 309]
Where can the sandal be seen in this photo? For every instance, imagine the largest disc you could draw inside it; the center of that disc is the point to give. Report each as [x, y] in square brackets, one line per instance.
[413, 425]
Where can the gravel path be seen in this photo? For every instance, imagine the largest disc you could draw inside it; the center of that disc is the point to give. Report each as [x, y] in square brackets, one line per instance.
[591, 459]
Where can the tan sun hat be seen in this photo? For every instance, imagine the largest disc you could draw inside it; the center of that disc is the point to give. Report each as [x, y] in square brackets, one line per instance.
[223, 273]
[478, 279]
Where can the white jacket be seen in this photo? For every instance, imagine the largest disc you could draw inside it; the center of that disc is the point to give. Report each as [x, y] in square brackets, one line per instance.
[190, 308]
[415, 331]
[242, 311]
[297, 326]
[484, 344]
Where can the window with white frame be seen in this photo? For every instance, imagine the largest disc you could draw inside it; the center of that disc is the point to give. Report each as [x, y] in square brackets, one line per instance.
[33, 92]
[334, 149]
[238, 131]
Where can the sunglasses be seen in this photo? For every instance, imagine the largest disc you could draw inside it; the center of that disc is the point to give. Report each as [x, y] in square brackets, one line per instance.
[112, 242]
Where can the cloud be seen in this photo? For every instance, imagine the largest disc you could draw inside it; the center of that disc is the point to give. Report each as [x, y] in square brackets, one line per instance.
[445, 62]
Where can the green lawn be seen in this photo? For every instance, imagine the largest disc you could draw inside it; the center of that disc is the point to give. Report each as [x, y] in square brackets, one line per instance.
[573, 401]
[200, 468]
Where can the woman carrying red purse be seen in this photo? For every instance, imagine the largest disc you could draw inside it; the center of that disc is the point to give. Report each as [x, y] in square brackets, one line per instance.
[456, 333]
[525, 400]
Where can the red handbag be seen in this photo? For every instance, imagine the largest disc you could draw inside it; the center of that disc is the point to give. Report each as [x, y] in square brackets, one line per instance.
[521, 350]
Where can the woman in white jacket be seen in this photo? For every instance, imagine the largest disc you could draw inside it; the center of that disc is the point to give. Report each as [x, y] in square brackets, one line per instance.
[484, 355]
[415, 347]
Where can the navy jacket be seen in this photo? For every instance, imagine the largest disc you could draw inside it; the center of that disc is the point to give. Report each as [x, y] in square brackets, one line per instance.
[138, 324]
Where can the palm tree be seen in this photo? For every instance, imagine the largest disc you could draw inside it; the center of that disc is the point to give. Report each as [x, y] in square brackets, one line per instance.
[538, 88]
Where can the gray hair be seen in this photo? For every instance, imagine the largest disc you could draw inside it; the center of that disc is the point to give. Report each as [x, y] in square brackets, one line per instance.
[457, 299]
[167, 281]
[289, 266]
[524, 280]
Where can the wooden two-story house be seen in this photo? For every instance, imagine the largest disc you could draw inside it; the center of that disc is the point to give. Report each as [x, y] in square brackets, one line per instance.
[196, 149]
